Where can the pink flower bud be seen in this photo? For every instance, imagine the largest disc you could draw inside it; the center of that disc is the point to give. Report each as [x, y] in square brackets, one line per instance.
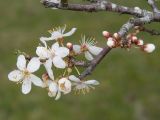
[139, 42]
[149, 48]
[134, 38]
[116, 36]
[106, 34]
[69, 45]
[111, 42]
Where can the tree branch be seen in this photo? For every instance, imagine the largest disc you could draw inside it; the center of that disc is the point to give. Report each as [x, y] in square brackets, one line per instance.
[153, 6]
[80, 63]
[142, 17]
[103, 5]
[122, 32]
[150, 31]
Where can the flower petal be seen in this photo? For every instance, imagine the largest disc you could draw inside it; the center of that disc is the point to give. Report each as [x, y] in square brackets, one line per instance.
[36, 80]
[42, 52]
[58, 95]
[70, 32]
[15, 76]
[56, 35]
[55, 46]
[26, 86]
[51, 94]
[48, 66]
[42, 39]
[62, 52]
[59, 62]
[53, 87]
[77, 49]
[21, 62]
[95, 50]
[92, 82]
[64, 85]
[88, 56]
[33, 65]
[74, 78]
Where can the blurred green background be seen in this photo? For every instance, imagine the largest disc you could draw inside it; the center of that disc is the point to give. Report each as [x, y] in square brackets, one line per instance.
[130, 81]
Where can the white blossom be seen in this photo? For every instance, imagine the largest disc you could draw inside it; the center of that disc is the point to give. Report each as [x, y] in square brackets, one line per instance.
[58, 33]
[57, 88]
[64, 85]
[24, 73]
[54, 54]
[83, 86]
[88, 47]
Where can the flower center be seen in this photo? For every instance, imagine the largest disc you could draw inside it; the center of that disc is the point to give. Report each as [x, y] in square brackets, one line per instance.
[84, 48]
[26, 73]
[62, 86]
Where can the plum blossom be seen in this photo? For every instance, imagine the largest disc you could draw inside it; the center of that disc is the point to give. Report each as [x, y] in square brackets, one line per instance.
[56, 88]
[54, 54]
[83, 86]
[58, 33]
[24, 73]
[88, 47]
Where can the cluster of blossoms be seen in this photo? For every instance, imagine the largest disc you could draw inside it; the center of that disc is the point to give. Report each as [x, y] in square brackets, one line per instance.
[115, 40]
[60, 56]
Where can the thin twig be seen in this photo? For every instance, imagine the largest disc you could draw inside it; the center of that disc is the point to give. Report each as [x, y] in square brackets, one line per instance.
[150, 31]
[153, 6]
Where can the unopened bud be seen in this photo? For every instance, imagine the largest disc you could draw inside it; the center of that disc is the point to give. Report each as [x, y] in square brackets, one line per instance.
[134, 38]
[69, 45]
[111, 42]
[149, 48]
[106, 34]
[116, 36]
[139, 42]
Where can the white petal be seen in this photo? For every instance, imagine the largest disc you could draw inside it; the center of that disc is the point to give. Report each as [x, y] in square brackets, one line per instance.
[64, 85]
[33, 65]
[48, 66]
[51, 94]
[42, 39]
[55, 46]
[59, 62]
[58, 95]
[95, 50]
[56, 35]
[92, 82]
[74, 78]
[36, 80]
[42, 52]
[70, 32]
[62, 52]
[88, 56]
[53, 87]
[15, 75]
[77, 48]
[26, 86]
[21, 62]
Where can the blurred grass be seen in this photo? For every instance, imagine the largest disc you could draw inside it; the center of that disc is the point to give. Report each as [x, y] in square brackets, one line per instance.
[130, 84]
